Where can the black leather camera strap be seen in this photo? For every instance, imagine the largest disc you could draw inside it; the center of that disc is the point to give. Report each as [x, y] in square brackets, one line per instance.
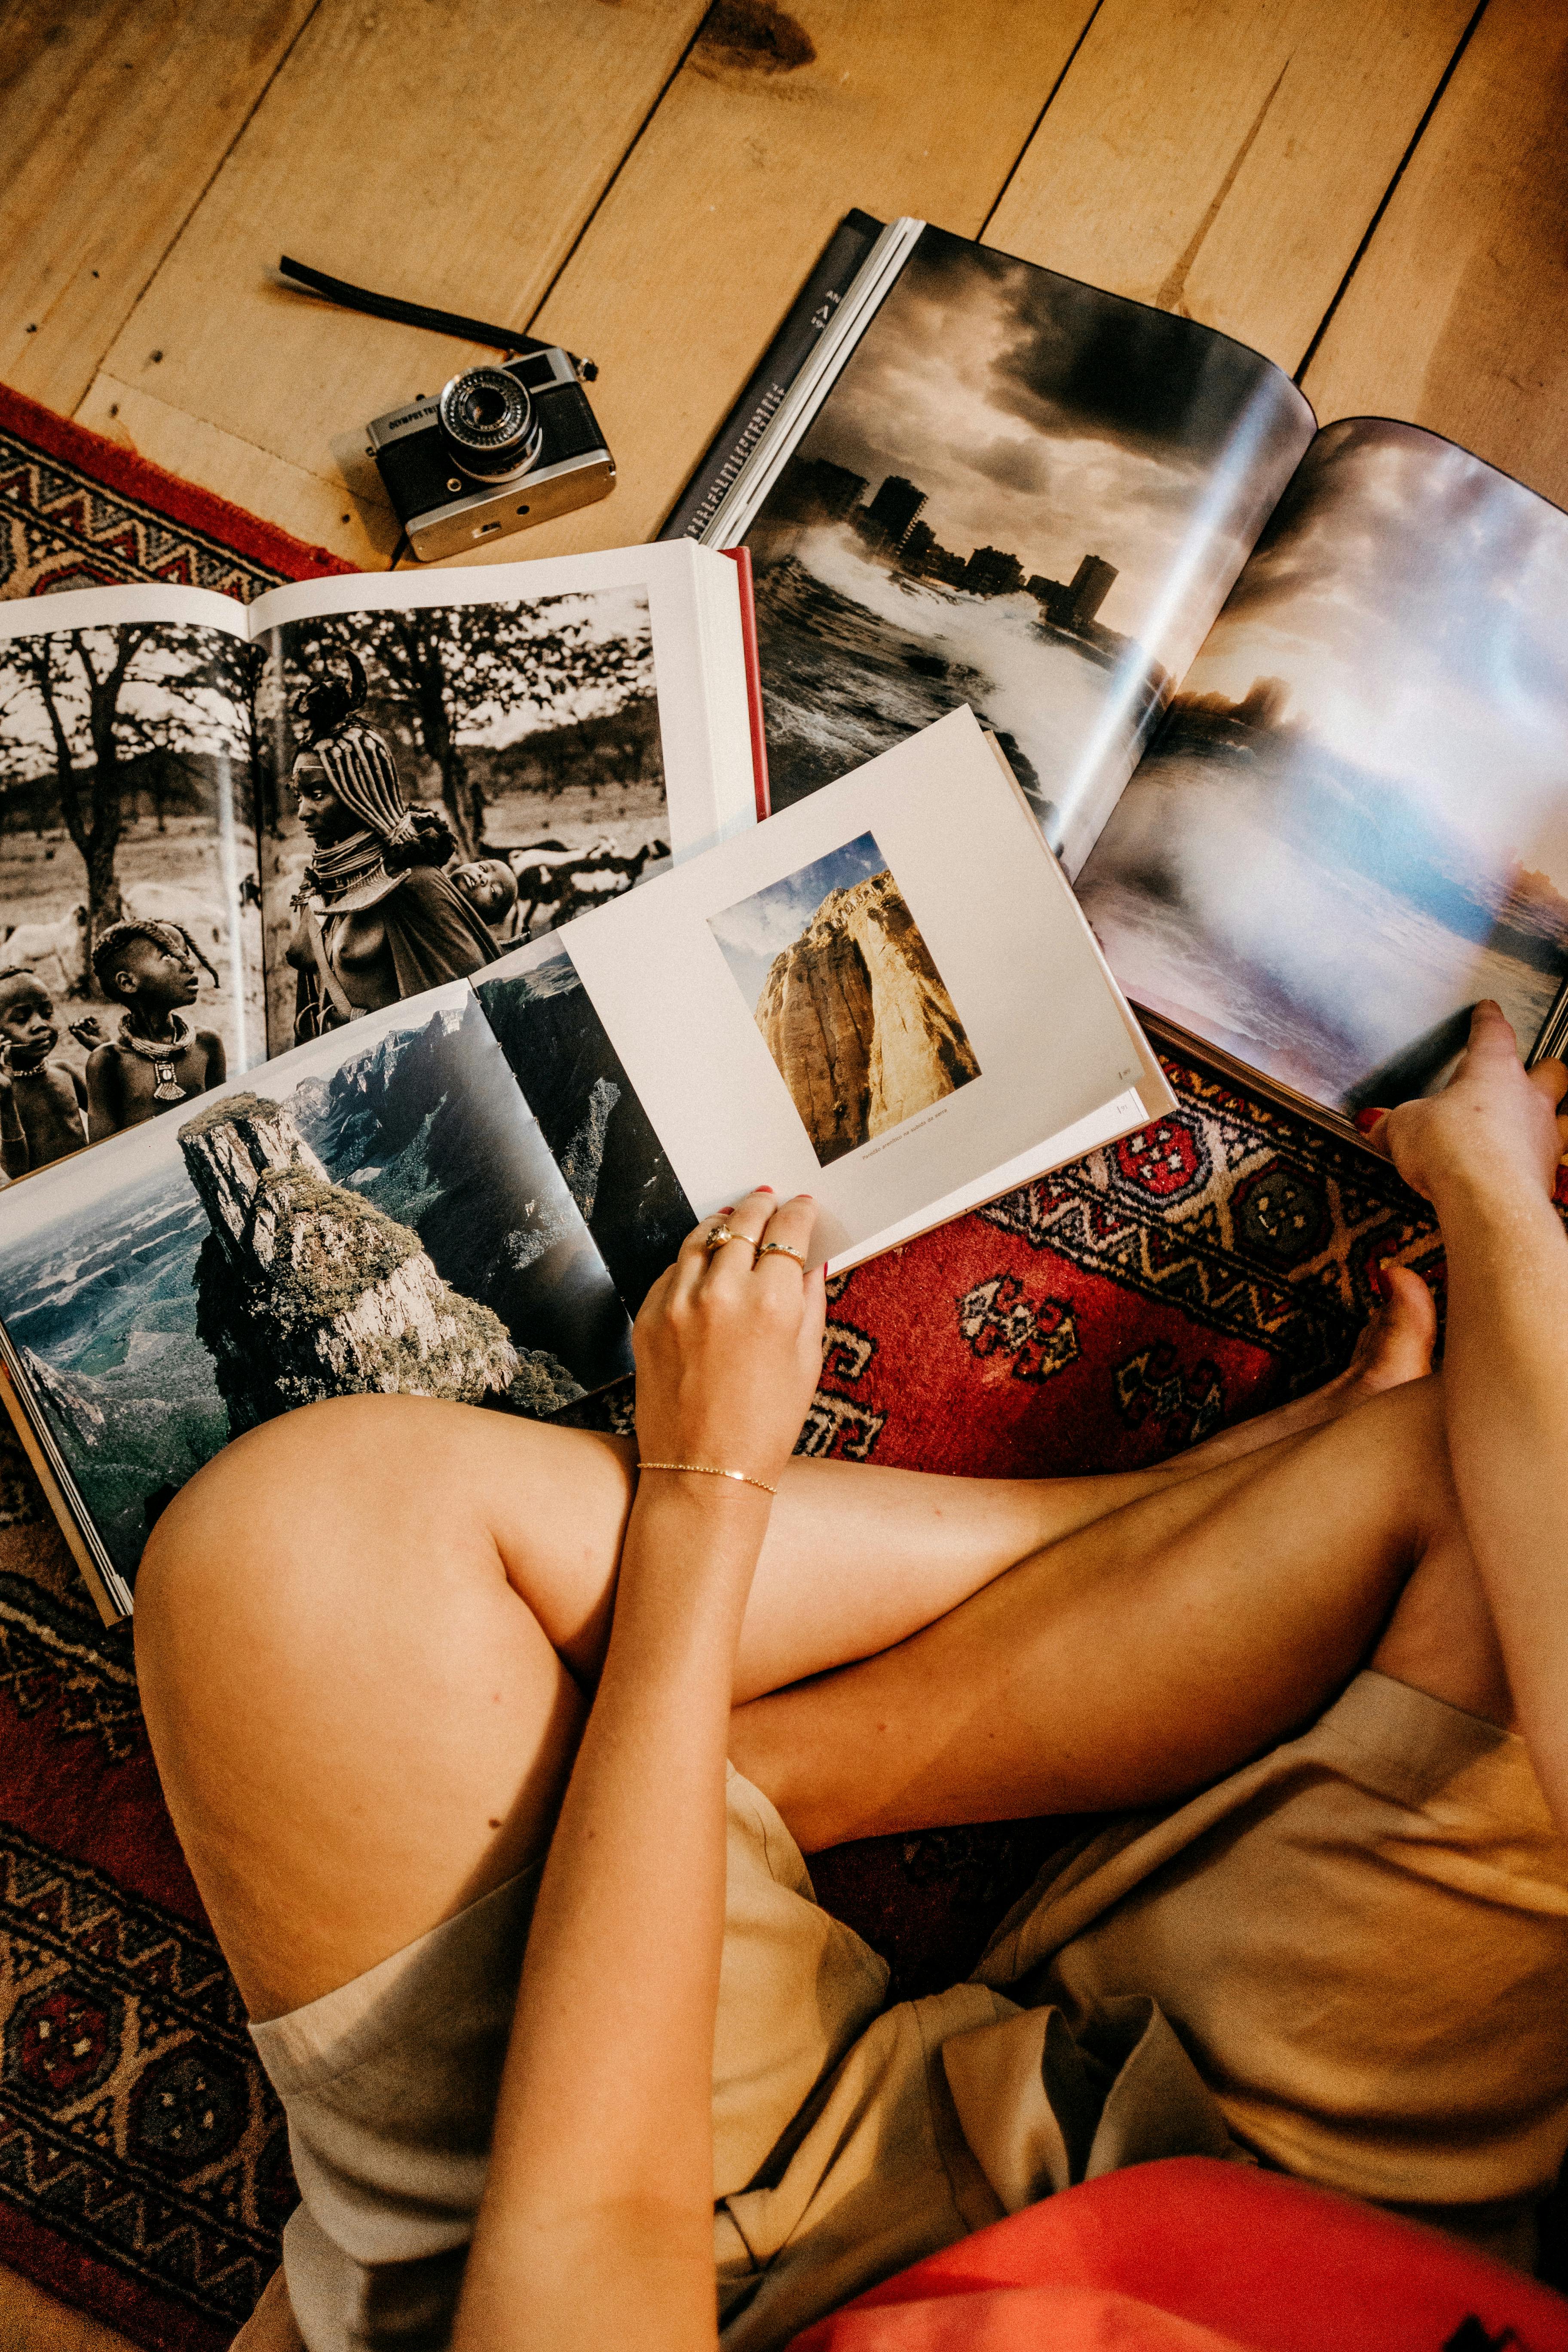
[418, 314]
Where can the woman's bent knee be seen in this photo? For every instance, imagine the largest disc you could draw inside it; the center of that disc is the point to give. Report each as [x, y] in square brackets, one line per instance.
[356, 1716]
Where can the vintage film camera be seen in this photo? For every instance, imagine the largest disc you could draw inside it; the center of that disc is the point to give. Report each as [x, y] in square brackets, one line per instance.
[502, 447]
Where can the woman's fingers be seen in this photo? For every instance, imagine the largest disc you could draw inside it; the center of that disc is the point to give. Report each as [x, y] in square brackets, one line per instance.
[787, 1244]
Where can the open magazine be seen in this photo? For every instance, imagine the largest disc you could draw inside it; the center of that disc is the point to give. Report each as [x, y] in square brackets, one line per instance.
[468, 1194]
[1291, 705]
[224, 830]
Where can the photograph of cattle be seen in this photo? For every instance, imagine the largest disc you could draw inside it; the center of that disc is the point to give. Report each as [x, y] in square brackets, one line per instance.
[530, 727]
[126, 760]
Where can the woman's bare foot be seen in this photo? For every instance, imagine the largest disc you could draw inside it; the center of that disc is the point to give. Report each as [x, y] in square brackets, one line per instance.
[1397, 1342]
[1395, 1346]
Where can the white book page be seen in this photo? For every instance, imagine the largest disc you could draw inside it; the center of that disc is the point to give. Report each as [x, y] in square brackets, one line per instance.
[1123, 1116]
[930, 840]
[709, 793]
[110, 608]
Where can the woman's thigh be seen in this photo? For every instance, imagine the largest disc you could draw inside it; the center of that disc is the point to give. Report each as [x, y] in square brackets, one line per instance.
[359, 1724]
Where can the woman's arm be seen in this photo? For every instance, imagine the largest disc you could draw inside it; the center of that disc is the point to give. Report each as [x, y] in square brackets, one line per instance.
[596, 2223]
[1485, 1153]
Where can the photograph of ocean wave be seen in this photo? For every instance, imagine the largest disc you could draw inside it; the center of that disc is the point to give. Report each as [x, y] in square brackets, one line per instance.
[1351, 823]
[1023, 494]
[377, 1211]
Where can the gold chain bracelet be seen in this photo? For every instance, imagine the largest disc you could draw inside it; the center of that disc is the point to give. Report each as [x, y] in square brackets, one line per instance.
[707, 1470]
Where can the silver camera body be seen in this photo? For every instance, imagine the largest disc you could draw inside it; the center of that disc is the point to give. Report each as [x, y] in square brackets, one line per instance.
[501, 448]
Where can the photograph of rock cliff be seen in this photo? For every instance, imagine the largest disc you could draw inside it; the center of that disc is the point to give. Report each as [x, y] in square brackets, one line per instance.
[1020, 493]
[848, 1000]
[379, 1211]
[1353, 820]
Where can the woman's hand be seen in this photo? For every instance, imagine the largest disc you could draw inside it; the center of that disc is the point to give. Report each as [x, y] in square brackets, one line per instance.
[729, 1343]
[1491, 1129]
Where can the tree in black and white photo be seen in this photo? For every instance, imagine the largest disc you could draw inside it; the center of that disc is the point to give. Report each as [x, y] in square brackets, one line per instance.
[454, 678]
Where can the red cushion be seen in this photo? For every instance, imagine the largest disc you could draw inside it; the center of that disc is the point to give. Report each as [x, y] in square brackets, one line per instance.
[1192, 2255]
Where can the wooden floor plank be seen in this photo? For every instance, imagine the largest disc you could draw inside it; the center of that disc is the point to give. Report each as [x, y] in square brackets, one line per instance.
[1455, 316]
[114, 114]
[449, 150]
[1223, 158]
[775, 127]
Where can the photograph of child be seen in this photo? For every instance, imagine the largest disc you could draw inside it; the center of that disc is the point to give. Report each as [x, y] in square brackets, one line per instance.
[848, 997]
[127, 754]
[158, 1059]
[43, 1102]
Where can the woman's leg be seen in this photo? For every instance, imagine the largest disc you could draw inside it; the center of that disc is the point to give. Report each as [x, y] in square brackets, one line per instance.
[1136, 1658]
[364, 1631]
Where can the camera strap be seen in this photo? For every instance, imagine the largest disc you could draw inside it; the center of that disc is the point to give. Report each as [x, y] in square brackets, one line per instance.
[418, 314]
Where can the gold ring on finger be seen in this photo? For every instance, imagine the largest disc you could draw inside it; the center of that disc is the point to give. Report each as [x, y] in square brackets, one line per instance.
[782, 1249]
[721, 1233]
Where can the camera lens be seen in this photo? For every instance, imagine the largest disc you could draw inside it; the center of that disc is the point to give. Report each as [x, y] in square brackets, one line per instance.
[489, 424]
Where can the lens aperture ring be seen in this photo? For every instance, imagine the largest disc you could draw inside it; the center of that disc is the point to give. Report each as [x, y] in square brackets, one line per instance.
[489, 421]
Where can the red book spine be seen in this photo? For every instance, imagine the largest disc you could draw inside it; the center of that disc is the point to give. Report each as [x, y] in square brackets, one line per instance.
[741, 558]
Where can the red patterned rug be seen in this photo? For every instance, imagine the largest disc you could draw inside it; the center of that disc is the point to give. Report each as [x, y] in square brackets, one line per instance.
[1216, 1264]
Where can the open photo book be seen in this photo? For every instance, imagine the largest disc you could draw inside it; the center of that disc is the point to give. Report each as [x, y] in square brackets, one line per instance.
[886, 997]
[1291, 704]
[228, 830]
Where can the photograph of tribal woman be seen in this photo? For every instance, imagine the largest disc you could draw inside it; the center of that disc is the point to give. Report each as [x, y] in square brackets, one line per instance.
[454, 779]
[375, 918]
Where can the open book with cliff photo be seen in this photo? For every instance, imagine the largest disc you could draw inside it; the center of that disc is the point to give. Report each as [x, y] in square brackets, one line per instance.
[224, 830]
[1291, 704]
[468, 1194]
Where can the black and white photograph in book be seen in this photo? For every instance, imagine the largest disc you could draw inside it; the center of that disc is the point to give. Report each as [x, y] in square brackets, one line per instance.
[453, 778]
[1353, 822]
[848, 997]
[131, 975]
[379, 1211]
[1020, 493]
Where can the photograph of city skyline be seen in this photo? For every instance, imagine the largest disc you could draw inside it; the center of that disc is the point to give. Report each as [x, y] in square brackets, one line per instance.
[1023, 494]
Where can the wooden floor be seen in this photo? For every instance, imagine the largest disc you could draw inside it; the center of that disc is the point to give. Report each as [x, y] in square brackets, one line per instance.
[1372, 192]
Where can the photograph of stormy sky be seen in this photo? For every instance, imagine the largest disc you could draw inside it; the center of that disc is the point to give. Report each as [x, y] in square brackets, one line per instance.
[1021, 493]
[1355, 820]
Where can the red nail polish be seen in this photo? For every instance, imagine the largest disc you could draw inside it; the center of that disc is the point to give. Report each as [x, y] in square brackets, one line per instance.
[762, 1188]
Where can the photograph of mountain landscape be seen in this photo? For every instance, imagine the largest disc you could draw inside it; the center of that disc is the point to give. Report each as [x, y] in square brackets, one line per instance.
[377, 1212]
[1023, 494]
[531, 725]
[589, 1114]
[850, 1005]
[126, 766]
[1355, 820]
